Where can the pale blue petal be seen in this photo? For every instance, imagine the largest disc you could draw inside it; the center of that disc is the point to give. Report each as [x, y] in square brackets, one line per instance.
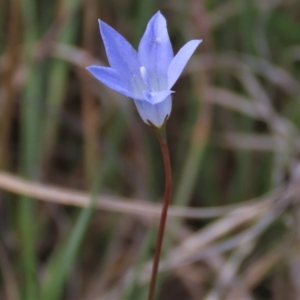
[122, 57]
[156, 113]
[111, 78]
[156, 97]
[180, 60]
[155, 52]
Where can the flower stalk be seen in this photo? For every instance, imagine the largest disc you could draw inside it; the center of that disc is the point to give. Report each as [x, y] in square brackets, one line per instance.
[161, 136]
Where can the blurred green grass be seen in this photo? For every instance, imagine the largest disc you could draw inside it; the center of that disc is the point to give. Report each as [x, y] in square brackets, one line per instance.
[233, 136]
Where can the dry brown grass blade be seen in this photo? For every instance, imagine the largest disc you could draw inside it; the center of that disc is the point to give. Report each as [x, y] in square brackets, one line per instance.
[44, 192]
[228, 272]
[252, 108]
[192, 248]
[90, 109]
[255, 273]
[7, 87]
[235, 63]
[8, 275]
[248, 141]
[186, 252]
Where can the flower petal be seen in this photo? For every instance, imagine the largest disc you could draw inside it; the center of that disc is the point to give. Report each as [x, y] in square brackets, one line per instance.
[156, 113]
[122, 57]
[157, 97]
[155, 51]
[111, 78]
[180, 60]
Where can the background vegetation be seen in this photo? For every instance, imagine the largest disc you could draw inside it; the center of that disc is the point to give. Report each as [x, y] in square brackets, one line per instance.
[81, 176]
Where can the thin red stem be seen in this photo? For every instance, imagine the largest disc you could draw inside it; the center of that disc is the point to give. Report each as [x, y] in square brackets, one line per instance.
[160, 134]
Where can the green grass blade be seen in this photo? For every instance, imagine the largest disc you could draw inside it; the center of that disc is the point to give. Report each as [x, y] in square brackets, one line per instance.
[65, 254]
[30, 152]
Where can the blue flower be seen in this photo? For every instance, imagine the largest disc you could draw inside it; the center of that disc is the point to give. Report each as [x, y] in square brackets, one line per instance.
[148, 75]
